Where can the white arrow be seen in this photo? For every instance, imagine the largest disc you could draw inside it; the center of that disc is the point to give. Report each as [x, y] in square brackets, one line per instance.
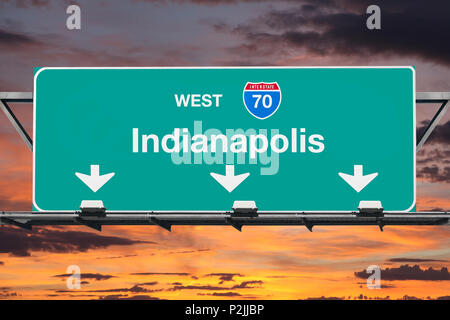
[229, 181]
[95, 181]
[358, 181]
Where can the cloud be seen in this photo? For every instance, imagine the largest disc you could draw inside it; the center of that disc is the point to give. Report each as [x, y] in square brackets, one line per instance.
[434, 173]
[427, 156]
[249, 284]
[203, 2]
[225, 276]
[339, 29]
[440, 134]
[21, 243]
[2, 263]
[221, 294]
[406, 297]
[117, 257]
[406, 272]
[94, 276]
[134, 289]
[416, 260]
[6, 293]
[243, 285]
[28, 3]
[160, 273]
[196, 287]
[325, 298]
[189, 251]
[125, 297]
[152, 283]
[10, 38]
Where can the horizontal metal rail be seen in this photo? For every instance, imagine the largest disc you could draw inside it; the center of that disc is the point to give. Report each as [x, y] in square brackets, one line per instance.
[167, 220]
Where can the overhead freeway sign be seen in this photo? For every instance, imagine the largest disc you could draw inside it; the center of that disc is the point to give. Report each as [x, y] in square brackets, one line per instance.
[197, 139]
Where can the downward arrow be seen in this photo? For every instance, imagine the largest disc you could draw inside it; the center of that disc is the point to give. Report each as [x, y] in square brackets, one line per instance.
[229, 181]
[95, 181]
[358, 181]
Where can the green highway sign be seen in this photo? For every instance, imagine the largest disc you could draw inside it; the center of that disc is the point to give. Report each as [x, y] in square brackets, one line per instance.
[197, 139]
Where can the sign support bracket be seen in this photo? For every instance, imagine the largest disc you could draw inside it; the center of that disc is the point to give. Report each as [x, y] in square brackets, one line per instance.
[234, 224]
[87, 223]
[433, 97]
[17, 97]
[24, 225]
[162, 224]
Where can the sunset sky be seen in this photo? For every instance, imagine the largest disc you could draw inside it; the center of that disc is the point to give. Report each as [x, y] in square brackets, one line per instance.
[195, 262]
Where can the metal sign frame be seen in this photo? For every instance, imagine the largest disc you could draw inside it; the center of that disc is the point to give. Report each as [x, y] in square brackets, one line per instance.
[95, 220]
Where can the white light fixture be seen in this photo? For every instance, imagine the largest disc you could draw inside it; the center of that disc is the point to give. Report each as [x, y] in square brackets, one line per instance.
[370, 207]
[92, 206]
[245, 208]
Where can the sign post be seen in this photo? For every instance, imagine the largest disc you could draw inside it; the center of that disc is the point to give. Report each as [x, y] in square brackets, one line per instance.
[197, 139]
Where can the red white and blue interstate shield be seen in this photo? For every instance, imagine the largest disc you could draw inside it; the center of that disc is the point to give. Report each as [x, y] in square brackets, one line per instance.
[262, 99]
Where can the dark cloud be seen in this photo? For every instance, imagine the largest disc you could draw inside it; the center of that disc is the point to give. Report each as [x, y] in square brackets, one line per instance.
[249, 284]
[434, 173]
[2, 263]
[94, 276]
[406, 272]
[408, 28]
[196, 287]
[243, 285]
[21, 243]
[225, 276]
[326, 298]
[134, 289]
[152, 283]
[427, 156]
[9, 38]
[415, 260]
[363, 297]
[189, 251]
[205, 2]
[160, 274]
[71, 295]
[117, 257]
[221, 294]
[406, 297]
[440, 134]
[382, 286]
[125, 297]
[8, 295]
[28, 3]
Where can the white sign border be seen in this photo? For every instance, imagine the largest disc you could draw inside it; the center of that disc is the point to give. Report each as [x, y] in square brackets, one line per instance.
[223, 67]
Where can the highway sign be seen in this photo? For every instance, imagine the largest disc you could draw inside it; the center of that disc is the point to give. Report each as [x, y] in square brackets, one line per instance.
[197, 139]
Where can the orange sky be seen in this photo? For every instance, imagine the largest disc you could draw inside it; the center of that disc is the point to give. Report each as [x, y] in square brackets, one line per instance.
[284, 262]
[219, 262]
[270, 262]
